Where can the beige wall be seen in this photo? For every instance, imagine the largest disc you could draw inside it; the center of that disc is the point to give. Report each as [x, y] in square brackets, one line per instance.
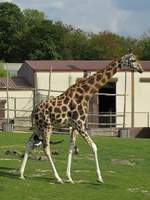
[62, 80]
[24, 101]
[59, 81]
[141, 99]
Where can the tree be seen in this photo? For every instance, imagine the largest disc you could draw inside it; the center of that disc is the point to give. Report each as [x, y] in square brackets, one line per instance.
[79, 45]
[10, 25]
[3, 72]
[32, 17]
[28, 34]
[105, 45]
[75, 45]
[37, 42]
[61, 35]
[145, 46]
[146, 49]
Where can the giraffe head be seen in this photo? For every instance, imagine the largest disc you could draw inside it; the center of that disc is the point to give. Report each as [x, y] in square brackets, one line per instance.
[130, 60]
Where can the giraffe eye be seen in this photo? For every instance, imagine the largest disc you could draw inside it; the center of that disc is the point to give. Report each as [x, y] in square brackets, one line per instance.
[133, 60]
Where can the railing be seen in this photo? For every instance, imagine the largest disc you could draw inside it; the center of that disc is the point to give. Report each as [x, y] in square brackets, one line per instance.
[110, 120]
[142, 119]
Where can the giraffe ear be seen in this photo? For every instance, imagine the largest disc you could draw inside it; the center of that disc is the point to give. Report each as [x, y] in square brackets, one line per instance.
[119, 65]
[129, 51]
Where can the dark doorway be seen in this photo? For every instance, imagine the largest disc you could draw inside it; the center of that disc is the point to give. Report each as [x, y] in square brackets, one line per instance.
[2, 112]
[2, 109]
[107, 106]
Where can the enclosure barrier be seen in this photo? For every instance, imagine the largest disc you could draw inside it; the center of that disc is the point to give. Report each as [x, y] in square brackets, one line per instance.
[24, 120]
[20, 116]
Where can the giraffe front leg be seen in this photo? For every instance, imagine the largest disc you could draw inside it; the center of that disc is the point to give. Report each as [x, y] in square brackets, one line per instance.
[71, 150]
[46, 148]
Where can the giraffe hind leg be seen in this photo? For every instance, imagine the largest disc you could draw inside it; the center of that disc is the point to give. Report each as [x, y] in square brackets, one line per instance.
[91, 143]
[74, 134]
[29, 146]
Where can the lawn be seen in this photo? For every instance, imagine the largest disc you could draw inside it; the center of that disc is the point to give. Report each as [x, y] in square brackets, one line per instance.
[125, 166]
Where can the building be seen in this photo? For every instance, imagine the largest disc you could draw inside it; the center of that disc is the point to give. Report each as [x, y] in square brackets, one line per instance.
[57, 76]
[51, 78]
[19, 98]
[13, 68]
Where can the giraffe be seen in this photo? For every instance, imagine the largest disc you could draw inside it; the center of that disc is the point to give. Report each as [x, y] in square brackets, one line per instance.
[72, 107]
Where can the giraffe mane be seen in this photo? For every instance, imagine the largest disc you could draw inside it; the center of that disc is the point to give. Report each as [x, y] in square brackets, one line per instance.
[83, 81]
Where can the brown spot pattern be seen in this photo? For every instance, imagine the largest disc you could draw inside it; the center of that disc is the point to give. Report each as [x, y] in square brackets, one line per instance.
[103, 80]
[82, 117]
[86, 87]
[108, 74]
[87, 98]
[59, 103]
[80, 90]
[64, 108]
[72, 105]
[98, 77]
[97, 85]
[75, 115]
[57, 110]
[66, 100]
[91, 80]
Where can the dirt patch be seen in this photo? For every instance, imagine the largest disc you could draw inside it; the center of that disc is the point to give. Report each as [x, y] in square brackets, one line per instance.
[122, 162]
[81, 181]
[8, 159]
[111, 172]
[41, 172]
[141, 190]
[80, 171]
[32, 156]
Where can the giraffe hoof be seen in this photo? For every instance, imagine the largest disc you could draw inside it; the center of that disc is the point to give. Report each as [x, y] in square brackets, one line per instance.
[22, 178]
[60, 181]
[70, 181]
[100, 180]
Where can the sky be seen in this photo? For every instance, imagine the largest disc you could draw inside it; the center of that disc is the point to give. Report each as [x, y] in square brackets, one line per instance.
[124, 17]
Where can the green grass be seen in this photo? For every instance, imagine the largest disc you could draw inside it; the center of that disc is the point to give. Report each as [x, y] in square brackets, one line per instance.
[121, 181]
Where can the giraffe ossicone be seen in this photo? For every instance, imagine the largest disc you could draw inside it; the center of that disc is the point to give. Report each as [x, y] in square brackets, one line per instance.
[72, 107]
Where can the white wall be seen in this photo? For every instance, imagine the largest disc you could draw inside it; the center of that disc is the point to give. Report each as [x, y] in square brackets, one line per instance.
[24, 101]
[120, 89]
[59, 81]
[63, 80]
[141, 99]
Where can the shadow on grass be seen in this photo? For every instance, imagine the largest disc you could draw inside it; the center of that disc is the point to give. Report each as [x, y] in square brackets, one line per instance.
[8, 172]
[51, 180]
[43, 179]
[13, 173]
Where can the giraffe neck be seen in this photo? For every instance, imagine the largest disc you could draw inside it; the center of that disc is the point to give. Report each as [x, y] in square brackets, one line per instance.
[95, 82]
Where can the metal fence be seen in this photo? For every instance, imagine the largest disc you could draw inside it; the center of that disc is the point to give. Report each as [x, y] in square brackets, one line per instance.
[21, 118]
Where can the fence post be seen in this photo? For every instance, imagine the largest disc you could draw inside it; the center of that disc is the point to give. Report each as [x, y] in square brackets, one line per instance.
[125, 95]
[7, 91]
[49, 87]
[148, 119]
[132, 99]
[15, 107]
